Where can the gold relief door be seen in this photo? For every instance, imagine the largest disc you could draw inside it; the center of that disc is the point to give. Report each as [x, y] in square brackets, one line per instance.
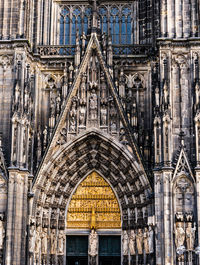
[93, 205]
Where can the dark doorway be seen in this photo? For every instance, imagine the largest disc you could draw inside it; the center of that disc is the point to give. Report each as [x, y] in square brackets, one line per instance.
[109, 250]
[109, 260]
[77, 250]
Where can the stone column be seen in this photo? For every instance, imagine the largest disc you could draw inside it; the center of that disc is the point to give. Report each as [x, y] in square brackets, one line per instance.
[159, 251]
[197, 170]
[16, 217]
[167, 215]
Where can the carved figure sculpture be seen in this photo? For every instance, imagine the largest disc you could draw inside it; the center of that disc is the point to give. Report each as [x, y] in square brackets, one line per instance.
[2, 233]
[61, 238]
[32, 238]
[139, 241]
[132, 242]
[53, 242]
[103, 115]
[190, 236]
[93, 247]
[125, 243]
[44, 241]
[93, 105]
[146, 240]
[82, 115]
[151, 240]
[37, 241]
[179, 235]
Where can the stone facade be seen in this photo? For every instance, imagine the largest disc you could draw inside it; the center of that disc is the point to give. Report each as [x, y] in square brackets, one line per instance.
[108, 89]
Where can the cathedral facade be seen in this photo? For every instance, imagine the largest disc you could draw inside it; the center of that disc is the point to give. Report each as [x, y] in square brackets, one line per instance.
[99, 132]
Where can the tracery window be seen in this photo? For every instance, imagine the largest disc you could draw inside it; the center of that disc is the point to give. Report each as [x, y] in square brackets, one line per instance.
[116, 20]
[73, 19]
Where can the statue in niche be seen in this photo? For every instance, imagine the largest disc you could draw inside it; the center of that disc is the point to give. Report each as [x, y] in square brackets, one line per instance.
[129, 81]
[83, 39]
[132, 242]
[93, 247]
[179, 235]
[151, 240]
[113, 126]
[103, 87]
[53, 242]
[61, 239]
[93, 105]
[73, 110]
[52, 107]
[72, 124]
[125, 243]
[146, 240]
[45, 134]
[32, 238]
[58, 102]
[103, 115]
[82, 114]
[190, 236]
[139, 241]
[38, 240]
[44, 241]
[2, 233]
[83, 88]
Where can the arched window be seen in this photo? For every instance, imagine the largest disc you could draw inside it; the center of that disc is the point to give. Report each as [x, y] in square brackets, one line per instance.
[73, 19]
[114, 20]
[117, 20]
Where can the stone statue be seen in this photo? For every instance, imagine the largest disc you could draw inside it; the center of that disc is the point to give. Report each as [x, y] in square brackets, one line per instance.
[132, 243]
[151, 240]
[129, 81]
[83, 88]
[44, 241]
[103, 115]
[32, 238]
[125, 243]
[190, 236]
[139, 241]
[2, 234]
[38, 240]
[146, 240]
[93, 247]
[61, 238]
[179, 235]
[45, 134]
[82, 113]
[93, 105]
[83, 38]
[53, 242]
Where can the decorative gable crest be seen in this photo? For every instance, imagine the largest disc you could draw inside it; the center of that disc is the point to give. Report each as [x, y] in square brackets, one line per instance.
[92, 102]
[183, 165]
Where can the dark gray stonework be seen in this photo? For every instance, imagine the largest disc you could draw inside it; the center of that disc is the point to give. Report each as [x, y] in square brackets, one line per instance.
[105, 86]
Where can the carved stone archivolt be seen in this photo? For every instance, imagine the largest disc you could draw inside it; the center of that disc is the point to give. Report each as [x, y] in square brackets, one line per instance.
[93, 153]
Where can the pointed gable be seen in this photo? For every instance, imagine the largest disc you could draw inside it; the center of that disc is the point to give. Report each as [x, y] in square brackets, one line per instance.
[183, 165]
[92, 102]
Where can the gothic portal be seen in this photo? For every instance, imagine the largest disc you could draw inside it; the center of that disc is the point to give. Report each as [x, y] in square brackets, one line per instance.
[99, 132]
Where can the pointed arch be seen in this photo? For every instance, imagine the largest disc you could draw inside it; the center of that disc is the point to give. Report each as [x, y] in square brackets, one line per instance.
[93, 151]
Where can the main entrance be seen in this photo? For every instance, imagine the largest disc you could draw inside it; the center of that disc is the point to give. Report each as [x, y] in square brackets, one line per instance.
[109, 250]
[93, 212]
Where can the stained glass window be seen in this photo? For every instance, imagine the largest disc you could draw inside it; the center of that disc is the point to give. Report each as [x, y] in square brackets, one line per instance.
[116, 20]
